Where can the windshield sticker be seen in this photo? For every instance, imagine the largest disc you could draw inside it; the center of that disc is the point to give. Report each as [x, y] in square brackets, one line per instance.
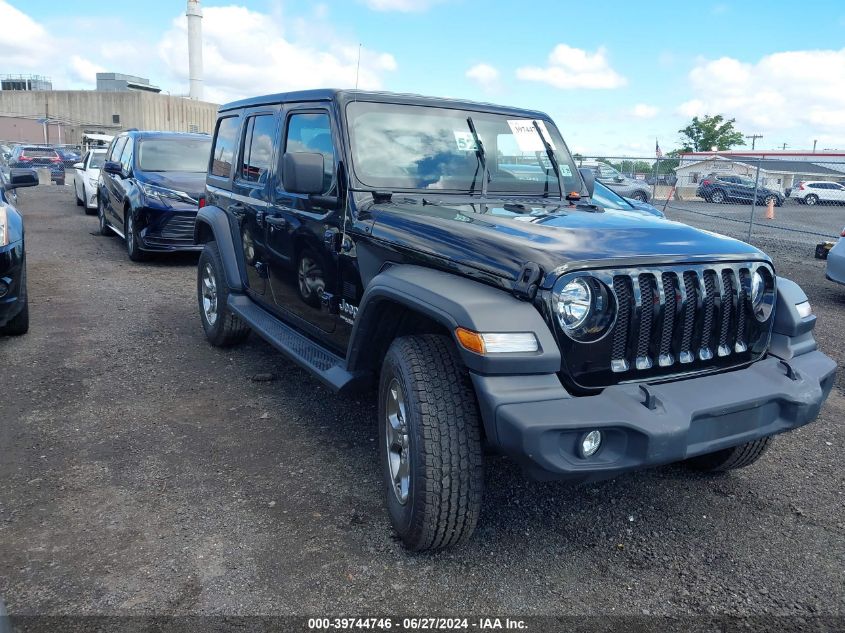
[526, 136]
[465, 141]
[565, 171]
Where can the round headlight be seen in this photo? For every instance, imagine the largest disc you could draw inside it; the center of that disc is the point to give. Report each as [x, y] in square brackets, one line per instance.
[584, 307]
[762, 293]
[574, 304]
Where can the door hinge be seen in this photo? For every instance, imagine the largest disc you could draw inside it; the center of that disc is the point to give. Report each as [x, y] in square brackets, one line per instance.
[261, 269]
[332, 240]
[330, 302]
[525, 287]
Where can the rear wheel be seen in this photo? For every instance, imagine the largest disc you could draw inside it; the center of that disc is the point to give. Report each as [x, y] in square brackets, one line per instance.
[731, 458]
[20, 323]
[811, 199]
[222, 326]
[717, 196]
[772, 199]
[430, 443]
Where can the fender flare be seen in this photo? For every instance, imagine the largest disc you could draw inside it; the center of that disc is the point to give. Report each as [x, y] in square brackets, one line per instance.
[454, 301]
[213, 224]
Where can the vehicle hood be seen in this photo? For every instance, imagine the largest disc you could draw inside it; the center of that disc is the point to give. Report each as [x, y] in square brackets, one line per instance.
[645, 207]
[570, 238]
[192, 183]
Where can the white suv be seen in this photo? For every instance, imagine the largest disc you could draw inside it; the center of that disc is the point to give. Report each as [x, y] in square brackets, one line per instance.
[818, 191]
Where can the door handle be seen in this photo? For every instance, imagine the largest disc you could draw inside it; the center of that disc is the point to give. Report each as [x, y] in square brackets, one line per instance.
[276, 221]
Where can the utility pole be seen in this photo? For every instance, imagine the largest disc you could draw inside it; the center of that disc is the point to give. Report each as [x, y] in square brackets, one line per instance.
[814, 145]
[784, 147]
[753, 138]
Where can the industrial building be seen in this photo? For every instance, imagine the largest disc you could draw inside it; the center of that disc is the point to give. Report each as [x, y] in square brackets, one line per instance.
[118, 82]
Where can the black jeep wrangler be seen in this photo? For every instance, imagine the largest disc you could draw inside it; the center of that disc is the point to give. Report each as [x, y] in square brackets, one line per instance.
[448, 253]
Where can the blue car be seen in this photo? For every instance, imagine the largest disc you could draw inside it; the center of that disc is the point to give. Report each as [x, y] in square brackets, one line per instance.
[14, 308]
[150, 188]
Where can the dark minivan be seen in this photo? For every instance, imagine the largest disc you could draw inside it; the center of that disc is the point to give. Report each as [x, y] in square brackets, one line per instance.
[150, 188]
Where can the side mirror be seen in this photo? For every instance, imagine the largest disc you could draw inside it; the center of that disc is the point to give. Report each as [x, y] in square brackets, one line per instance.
[78, 166]
[113, 167]
[21, 178]
[302, 172]
[589, 180]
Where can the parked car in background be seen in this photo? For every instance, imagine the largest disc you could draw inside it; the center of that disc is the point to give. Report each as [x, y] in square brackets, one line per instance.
[836, 261]
[14, 307]
[818, 192]
[38, 156]
[86, 176]
[69, 156]
[621, 184]
[150, 189]
[608, 199]
[727, 188]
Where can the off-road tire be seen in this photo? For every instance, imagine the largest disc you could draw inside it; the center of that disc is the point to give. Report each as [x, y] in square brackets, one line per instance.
[20, 323]
[228, 329]
[731, 458]
[444, 443]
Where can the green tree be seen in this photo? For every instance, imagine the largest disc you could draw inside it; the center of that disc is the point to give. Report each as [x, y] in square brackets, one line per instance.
[701, 135]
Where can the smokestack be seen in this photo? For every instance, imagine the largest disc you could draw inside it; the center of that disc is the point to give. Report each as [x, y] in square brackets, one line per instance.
[194, 14]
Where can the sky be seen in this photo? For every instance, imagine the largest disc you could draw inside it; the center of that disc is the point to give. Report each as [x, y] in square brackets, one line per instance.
[615, 76]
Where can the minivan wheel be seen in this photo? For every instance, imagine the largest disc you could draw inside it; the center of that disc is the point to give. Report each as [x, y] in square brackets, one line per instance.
[430, 443]
[133, 248]
[731, 458]
[101, 216]
[717, 196]
[222, 326]
[20, 323]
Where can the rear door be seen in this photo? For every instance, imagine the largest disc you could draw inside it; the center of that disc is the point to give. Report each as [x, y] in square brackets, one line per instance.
[303, 231]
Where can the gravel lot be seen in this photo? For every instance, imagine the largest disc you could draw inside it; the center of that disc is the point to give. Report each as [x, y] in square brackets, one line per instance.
[145, 472]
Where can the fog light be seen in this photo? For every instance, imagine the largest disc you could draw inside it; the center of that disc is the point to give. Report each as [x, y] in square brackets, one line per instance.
[590, 443]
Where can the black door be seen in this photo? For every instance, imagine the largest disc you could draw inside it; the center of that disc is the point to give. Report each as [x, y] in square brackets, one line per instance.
[250, 188]
[302, 231]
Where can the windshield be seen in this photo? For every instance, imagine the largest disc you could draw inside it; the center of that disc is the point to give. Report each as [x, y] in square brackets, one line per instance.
[424, 148]
[174, 154]
[97, 160]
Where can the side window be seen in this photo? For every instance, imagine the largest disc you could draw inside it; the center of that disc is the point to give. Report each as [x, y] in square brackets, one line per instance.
[126, 156]
[117, 149]
[225, 144]
[312, 132]
[257, 152]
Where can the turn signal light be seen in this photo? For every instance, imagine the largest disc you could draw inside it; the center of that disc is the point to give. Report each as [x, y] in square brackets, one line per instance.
[497, 342]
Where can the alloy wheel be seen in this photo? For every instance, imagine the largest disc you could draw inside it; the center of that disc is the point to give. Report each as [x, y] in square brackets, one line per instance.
[398, 442]
[209, 294]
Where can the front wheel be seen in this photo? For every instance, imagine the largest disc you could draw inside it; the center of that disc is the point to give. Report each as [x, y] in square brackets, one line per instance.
[731, 458]
[640, 196]
[20, 323]
[430, 443]
[717, 197]
[222, 326]
[133, 246]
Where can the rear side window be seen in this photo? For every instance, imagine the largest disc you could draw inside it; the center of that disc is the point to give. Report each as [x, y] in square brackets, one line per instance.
[225, 145]
[126, 156]
[257, 154]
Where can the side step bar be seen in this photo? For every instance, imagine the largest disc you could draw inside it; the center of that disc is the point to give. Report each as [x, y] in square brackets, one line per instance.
[325, 365]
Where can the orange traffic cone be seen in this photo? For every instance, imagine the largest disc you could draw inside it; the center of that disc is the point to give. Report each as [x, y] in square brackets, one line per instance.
[770, 210]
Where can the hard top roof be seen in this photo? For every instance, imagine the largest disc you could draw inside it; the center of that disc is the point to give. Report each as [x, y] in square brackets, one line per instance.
[346, 96]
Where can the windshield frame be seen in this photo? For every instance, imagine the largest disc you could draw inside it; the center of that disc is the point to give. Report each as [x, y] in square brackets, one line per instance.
[466, 109]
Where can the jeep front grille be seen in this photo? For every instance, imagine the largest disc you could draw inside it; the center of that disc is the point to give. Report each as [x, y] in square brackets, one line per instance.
[671, 320]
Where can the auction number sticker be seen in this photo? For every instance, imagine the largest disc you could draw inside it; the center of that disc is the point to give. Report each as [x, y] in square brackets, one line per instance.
[526, 135]
[465, 141]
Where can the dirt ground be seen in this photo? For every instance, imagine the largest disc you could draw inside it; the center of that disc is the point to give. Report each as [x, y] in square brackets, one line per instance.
[144, 472]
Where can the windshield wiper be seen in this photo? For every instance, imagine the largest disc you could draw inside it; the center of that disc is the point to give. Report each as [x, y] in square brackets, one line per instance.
[552, 159]
[482, 160]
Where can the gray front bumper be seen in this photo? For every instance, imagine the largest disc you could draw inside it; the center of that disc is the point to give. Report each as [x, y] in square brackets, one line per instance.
[836, 263]
[541, 427]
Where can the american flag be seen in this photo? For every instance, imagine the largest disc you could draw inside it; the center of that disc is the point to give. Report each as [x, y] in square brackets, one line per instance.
[657, 151]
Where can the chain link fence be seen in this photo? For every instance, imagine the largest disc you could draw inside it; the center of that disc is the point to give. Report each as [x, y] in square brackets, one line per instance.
[777, 205]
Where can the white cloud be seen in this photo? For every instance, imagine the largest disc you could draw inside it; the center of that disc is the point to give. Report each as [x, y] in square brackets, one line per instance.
[781, 91]
[645, 111]
[232, 70]
[572, 68]
[20, 39]
[484, 75]
[85, 70]
[404, 6]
